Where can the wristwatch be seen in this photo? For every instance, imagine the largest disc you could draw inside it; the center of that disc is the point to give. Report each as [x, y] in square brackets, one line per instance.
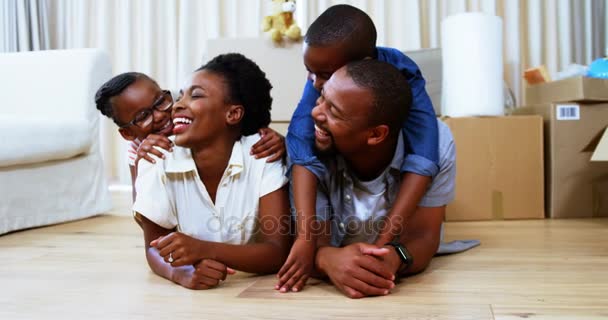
[406, 258]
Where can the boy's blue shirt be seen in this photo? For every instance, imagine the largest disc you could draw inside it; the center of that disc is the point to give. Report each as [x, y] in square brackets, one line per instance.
[419, 129]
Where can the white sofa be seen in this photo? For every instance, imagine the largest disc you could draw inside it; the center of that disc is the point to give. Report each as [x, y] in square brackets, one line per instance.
[51, 169]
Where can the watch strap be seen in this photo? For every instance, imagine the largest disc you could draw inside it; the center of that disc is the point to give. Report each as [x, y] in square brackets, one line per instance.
[406, 258]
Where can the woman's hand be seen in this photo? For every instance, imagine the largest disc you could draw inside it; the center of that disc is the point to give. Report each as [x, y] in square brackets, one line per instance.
[204, 275]
[179, 249]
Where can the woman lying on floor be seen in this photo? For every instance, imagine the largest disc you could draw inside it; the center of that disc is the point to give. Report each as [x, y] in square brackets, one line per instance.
[209, 206]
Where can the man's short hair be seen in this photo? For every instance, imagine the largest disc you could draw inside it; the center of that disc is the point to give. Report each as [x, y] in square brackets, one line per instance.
[344, 25]
[391, 93]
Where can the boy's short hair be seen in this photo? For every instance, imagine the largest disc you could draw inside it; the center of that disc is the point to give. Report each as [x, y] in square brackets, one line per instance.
[391, 93]
[114, 87]
[346, 25]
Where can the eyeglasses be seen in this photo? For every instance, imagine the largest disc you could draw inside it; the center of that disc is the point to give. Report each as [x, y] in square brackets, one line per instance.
[145, 117]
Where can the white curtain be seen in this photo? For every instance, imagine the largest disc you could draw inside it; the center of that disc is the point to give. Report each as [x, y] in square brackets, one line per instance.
[167, 39]
[23, 25]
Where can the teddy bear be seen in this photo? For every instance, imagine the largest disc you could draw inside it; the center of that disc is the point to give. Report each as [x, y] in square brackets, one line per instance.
[282, 23]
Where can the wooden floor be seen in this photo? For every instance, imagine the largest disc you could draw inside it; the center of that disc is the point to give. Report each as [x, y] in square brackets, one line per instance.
[95, 269]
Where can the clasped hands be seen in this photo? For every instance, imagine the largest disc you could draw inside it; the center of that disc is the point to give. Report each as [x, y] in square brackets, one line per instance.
[193, 267]
[360, 270]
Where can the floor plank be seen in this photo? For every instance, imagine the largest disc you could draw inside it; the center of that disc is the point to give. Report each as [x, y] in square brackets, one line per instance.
[506, 312]
[95, 268]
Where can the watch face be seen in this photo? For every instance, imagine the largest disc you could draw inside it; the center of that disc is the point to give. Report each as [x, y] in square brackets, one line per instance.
[404, 255]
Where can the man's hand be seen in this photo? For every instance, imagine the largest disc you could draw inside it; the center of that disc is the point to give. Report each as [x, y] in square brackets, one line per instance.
[298, 266]
[354, 273]
[179, 249]
[271, 143]
[390, 260]
[204, 275]
[147, 147]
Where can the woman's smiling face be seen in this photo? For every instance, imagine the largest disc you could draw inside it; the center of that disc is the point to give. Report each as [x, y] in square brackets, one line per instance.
[202, 109]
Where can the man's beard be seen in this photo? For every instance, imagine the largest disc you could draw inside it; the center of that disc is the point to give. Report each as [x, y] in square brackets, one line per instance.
[326, 152]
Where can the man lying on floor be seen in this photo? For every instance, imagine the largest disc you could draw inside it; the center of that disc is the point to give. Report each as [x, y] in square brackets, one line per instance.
[358, 136]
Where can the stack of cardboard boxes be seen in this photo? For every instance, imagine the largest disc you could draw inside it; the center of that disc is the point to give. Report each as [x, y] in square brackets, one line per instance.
[538, 160]
[575, 112]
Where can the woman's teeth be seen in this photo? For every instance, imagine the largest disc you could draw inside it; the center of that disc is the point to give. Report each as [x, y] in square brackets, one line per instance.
[182, 121]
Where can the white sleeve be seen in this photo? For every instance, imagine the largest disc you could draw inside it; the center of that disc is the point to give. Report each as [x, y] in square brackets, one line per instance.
[153, 199]
[273, 177]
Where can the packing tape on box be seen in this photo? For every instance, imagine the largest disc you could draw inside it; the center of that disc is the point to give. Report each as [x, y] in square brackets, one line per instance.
[498, 209]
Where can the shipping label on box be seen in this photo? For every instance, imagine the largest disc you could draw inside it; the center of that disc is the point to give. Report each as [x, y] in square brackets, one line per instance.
[568, 112]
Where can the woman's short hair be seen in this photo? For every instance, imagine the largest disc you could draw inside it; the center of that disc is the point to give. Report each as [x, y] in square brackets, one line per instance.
[247, 85]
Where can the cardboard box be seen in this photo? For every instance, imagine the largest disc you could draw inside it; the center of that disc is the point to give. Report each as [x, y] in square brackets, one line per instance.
[576, 186]
[578, 89]
[499, 168]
